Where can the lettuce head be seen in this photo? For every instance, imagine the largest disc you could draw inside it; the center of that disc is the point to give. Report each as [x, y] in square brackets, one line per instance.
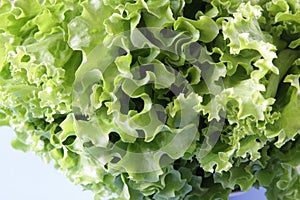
[156, 99]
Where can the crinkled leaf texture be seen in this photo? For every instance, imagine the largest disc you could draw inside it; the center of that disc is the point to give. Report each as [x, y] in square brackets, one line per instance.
[172, 99]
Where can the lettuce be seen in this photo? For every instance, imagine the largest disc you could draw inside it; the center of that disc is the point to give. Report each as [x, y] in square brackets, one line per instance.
[154, 99]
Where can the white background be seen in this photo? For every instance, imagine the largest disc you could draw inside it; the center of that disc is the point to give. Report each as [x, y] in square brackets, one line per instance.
[24, 176]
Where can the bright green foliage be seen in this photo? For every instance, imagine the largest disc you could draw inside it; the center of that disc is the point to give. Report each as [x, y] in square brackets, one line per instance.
[156, 99]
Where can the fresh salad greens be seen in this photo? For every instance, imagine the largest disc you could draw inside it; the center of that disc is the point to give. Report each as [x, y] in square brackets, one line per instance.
[156, 99]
